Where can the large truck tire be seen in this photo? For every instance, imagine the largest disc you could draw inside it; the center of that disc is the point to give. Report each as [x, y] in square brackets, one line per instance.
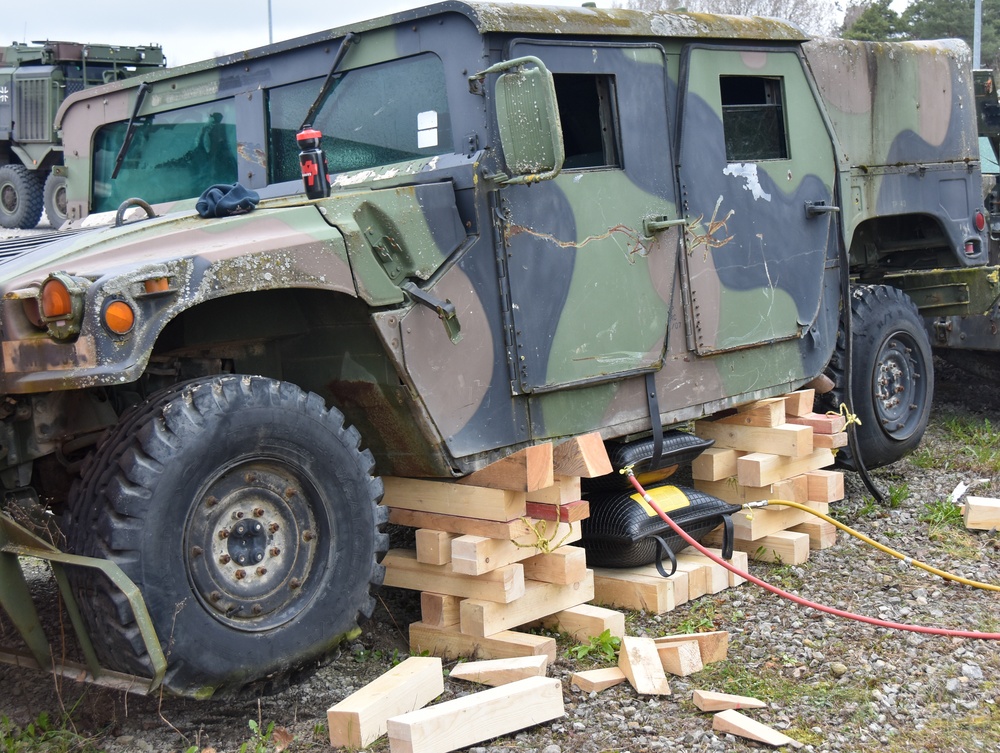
[54, 199]
[247, 514]
[20, 197]
[892, 373]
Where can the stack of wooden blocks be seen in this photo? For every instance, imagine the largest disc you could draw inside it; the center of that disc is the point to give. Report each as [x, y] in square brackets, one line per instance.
[492, 553]
[775, 449]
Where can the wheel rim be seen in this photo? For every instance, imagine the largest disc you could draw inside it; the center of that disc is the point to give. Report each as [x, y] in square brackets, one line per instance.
[8, 197]
[252, 544]
[898, 387]
[59, 201]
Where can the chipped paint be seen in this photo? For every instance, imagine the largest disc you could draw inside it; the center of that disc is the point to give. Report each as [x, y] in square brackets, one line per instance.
[748, 172]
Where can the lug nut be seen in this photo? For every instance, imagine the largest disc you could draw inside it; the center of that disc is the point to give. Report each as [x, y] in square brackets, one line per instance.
[258, 512]
[224, 533]
[307, 536]
[225, 559]
[239, 515]
[215, 596]
[256, 609]
[261, 571]
[273, 528]
[197, 551]
[241, 574]
[211, 501]
[274, 551]
[294, 583]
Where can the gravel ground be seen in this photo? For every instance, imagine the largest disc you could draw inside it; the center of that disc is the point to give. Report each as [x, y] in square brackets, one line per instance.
[834, 684]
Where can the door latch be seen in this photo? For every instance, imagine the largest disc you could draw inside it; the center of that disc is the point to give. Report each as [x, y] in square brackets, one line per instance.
[444, 309]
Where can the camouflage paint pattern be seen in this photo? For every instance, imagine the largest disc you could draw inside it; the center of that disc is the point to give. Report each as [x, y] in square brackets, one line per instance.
[663, 257]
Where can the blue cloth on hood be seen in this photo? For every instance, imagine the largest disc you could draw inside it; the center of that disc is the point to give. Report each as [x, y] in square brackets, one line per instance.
[223, 200]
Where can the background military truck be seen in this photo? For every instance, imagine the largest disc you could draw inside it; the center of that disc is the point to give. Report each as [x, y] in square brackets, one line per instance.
[34, 80]
[543, 222]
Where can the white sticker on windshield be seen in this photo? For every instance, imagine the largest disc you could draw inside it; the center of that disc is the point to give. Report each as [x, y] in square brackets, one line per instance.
[427, 132]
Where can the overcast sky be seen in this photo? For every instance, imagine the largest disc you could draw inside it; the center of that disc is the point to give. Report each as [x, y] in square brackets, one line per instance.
[192, 30]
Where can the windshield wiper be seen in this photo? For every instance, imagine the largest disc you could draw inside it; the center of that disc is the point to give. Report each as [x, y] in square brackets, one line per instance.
[140, 96]
[338, 58]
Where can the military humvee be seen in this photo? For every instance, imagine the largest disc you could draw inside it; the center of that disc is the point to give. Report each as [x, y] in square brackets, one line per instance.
[543, 222]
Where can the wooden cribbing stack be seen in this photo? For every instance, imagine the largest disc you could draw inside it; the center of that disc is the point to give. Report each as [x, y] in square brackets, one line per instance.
[493, 552]
[774, 449]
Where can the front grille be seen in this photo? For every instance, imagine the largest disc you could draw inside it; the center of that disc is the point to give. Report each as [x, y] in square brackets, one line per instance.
[33, 120]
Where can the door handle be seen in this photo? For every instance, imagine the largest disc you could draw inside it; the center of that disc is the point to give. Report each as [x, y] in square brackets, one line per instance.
[816, 208]
[652, 225]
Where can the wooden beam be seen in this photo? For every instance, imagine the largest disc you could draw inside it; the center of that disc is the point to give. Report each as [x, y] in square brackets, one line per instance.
[440, 610]
[480, 617]
[450, 643]
[707, 700]
[822, 534]
[567, 564]
[769, 412]
[496, 672]
[825, 486]
[756, 524]
[735, 723]
[800, 402]
[470, 719]
[586, 621]
[524, 471]
[433, 547]
[786, 440]
[596, 680]
[981, 513]
[402, 570]
[762, 468]
[681, 658]
[567, 513]
[509, 529]
[584, 456]
[630, 590]
[640, 662]
[787, 547]
[449, 498]
[564, 489]
[830, 441]
[716, 576]
[794, 489]
[715, 464]
[712, 646]
[362, 717]
[697, 574]
[821, 423]
[477, 555]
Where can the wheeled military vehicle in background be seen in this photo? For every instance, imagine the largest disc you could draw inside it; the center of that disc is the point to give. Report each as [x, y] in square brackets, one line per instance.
[543, 222]
[34, 80]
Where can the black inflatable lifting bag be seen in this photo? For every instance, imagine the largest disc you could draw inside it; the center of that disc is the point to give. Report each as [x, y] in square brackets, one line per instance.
[621, 532]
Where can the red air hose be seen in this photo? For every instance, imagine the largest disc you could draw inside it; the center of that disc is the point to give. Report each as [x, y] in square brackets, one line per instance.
[798, 599]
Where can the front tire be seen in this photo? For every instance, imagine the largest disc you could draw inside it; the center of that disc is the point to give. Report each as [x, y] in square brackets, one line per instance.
[248, 516]
[54, 199]
[892, 374]
[20, 197]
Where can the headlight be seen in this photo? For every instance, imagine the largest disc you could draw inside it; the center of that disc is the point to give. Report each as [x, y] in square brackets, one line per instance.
[61, 304]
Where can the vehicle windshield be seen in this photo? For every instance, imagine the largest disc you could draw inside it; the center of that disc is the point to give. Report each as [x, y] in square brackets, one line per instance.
[385, 113]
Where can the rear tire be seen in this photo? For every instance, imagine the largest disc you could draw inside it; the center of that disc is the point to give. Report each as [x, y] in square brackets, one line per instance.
[20, 197]
[54, 198]
[247, 515]
[892, 376]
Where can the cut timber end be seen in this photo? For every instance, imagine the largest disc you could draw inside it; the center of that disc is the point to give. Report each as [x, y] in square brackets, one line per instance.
[505, 584]
[448, 498]
[567, 564]
[440, 610]
[567, 513]
[564, 490]
[800, 402]
[769, 412]
[596, 680]
[583, 456]
[825, 486]
[481, 617]
[821, 423]
[527, 470]
[981, 513]
[501, 671]
[464, 721]
[681, 658]
[631, 590]
[450, 643]
[707, 700]
[640, 662]
[822, 533]
[787, 547]
[712, 646]
[362, 717]
[735, 723]
[433, 547]
[761, 468]
[715, 464]
[586, 621]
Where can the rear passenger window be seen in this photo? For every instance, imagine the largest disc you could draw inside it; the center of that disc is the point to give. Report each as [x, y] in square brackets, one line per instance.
[589, 120]
[753, 116]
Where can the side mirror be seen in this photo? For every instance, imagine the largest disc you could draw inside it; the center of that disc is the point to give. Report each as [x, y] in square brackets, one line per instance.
[528, 116]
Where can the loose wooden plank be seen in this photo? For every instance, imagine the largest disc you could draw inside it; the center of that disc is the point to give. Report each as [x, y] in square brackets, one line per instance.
[584, 456]
[496, 672]
[787, 440]
[524, 471]
[586, 621]
[822, 534]
[821, 423]
[787, 547]
[433, 547]
[981, 513]
[713, 646]
[640, 662]
[735, 723]
[708, 700]
[480, 617]
[567, 564]
[509, 529]
[800, 402]
[451, 643]
[564, 490]
[596, 680]
[794, 489]
[402, 570]
[448, 498]
[769, 412]
[478, 555]
[681, 658]
[567, 513]
[362, 717]
[715, 464]
[762, 468]
[440, 610]
[825, 486]
[470, 719]
[656, 595]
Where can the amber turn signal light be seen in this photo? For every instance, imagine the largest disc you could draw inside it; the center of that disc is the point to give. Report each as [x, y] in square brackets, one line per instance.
[56, 299]
[118, 317]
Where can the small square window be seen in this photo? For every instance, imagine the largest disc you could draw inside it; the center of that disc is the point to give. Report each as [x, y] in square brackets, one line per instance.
[588, 115]
[753, 117]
